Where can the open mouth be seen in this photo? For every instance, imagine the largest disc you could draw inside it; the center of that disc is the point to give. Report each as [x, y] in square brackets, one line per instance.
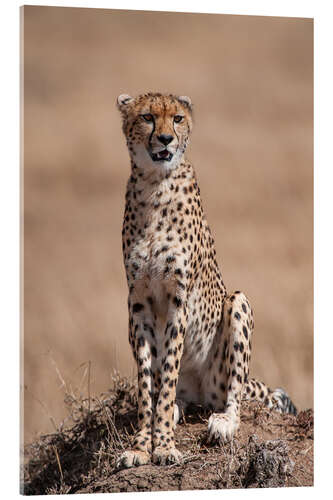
[164, 155]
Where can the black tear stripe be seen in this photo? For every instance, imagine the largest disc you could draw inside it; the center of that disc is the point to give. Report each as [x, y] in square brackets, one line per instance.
[173, 126]
[151, 135]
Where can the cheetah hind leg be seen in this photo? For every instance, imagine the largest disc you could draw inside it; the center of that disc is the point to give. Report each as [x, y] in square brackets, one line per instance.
[229, 368]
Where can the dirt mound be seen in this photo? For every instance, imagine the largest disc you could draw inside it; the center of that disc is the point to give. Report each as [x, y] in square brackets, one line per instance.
[270, 450]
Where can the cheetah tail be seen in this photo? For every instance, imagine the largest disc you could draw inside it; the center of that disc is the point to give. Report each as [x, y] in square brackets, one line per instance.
[258, 391]
[284, 403]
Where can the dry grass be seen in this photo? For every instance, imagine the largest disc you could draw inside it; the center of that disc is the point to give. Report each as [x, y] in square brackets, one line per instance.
[86, 443]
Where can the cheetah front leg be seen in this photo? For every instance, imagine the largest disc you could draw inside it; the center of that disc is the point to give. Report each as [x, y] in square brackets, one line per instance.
[164, 425]
[230, 367]
[141, 336]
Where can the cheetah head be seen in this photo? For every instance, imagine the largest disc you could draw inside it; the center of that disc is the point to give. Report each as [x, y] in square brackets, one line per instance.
[157, 128]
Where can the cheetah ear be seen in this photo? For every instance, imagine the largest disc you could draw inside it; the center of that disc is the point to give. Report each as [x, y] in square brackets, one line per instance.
[123, 101]
[183, 99]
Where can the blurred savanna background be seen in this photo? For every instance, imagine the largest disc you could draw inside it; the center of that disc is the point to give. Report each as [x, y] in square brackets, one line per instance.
[251, 82]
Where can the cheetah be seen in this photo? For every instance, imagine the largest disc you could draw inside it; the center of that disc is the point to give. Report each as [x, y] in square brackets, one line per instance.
[191, 339]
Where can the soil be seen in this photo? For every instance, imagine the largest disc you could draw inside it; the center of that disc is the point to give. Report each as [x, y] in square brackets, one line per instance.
[270, 450]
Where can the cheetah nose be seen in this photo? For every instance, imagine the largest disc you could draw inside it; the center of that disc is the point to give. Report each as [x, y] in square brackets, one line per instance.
[165, 139]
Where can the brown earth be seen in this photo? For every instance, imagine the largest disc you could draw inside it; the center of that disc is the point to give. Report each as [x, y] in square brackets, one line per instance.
[251, 81]
[270, 450]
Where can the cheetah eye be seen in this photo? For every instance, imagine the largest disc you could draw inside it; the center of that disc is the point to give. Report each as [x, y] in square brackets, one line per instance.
[178, 118]
[147, 117]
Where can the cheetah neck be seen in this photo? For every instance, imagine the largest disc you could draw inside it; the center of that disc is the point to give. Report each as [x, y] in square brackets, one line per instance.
[149, 197]
[148, 185]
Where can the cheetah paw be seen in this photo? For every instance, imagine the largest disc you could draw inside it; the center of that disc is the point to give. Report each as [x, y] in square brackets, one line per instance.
[132, 457]
[222, 427]
[165, 456]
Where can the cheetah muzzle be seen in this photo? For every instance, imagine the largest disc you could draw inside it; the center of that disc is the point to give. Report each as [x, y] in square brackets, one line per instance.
[191, 339]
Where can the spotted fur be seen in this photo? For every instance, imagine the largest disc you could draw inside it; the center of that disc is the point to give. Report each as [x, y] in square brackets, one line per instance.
[190, 338]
